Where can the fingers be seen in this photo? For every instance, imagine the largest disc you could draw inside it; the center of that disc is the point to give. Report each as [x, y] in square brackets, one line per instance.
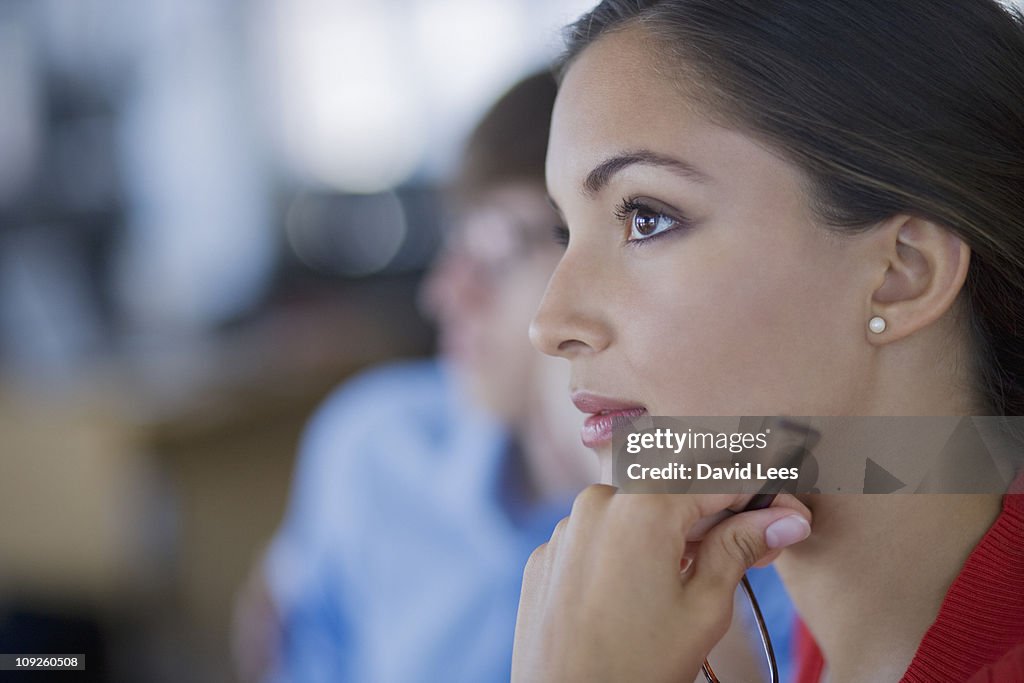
[739, 543]
[667, 524]
[665, 528]
[669, 528]
[613, 568]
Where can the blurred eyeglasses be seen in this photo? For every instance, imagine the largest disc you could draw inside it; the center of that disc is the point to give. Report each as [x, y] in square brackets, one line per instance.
[496, 246]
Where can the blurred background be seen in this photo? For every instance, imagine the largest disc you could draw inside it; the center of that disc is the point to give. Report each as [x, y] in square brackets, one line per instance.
[211, 213]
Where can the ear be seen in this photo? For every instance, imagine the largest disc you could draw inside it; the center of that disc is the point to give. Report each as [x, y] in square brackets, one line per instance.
[927, 267]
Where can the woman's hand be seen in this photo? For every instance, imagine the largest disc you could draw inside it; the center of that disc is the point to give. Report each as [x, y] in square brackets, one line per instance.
[605, 600]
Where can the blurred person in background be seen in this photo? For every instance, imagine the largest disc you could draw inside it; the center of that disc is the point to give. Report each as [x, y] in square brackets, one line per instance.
[422, 487]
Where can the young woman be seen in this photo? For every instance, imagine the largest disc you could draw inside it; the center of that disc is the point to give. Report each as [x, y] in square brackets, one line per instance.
[786, 207]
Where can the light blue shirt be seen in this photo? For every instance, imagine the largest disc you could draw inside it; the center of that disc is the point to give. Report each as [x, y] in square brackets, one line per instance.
[401, 556]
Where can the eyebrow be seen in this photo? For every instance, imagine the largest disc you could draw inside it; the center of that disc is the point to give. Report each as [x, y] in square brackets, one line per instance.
[603, 172]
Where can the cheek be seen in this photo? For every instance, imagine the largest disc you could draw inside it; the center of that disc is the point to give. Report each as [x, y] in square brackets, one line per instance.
[739, 331]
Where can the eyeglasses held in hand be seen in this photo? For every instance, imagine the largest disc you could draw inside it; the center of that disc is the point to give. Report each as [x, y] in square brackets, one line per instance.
[766, 640]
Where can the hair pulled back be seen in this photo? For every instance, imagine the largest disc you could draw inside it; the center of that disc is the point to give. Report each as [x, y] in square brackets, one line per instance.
[915, 106]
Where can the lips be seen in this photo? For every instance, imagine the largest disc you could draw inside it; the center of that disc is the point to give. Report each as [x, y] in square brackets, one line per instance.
[605, 413]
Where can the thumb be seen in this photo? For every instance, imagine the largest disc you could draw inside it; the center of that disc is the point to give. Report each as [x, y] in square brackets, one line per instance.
[738, 543]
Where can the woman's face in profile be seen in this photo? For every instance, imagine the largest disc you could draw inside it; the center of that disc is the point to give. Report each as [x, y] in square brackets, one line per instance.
[696, 280]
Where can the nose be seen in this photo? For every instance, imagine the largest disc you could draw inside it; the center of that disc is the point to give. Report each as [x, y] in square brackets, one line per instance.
[572, 319]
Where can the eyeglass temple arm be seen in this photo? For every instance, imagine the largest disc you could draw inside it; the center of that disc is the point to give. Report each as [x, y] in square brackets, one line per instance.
[766, 641]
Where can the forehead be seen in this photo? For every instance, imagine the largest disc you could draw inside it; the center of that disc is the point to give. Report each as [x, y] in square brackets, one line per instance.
[624, 93]
[617, 94]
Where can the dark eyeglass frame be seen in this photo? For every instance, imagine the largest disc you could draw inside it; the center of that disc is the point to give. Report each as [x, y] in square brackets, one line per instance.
[766, 641]
[806, 438]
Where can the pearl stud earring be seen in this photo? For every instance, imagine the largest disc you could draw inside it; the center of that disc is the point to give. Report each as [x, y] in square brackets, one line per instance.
[877, 325]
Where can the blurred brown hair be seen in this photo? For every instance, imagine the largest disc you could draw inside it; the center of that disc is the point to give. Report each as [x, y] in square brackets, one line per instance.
[510, 142]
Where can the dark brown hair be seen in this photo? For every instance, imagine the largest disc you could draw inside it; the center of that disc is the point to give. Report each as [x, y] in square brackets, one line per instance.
[888, 107]
[510, 142]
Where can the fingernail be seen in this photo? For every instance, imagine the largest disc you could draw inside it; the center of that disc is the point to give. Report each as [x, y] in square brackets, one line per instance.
[786, 531]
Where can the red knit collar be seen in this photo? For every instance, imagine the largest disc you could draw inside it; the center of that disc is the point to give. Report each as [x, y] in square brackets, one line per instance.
[982, 615]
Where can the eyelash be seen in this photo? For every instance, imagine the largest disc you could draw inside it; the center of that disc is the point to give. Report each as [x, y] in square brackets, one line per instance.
[629, 207]
[560, 233]
[625, 211]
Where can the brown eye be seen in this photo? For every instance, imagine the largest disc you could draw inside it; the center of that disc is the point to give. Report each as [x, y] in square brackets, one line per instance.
[646, 223]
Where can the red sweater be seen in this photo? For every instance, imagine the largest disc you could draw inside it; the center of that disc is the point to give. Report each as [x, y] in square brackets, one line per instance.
[978, 635]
